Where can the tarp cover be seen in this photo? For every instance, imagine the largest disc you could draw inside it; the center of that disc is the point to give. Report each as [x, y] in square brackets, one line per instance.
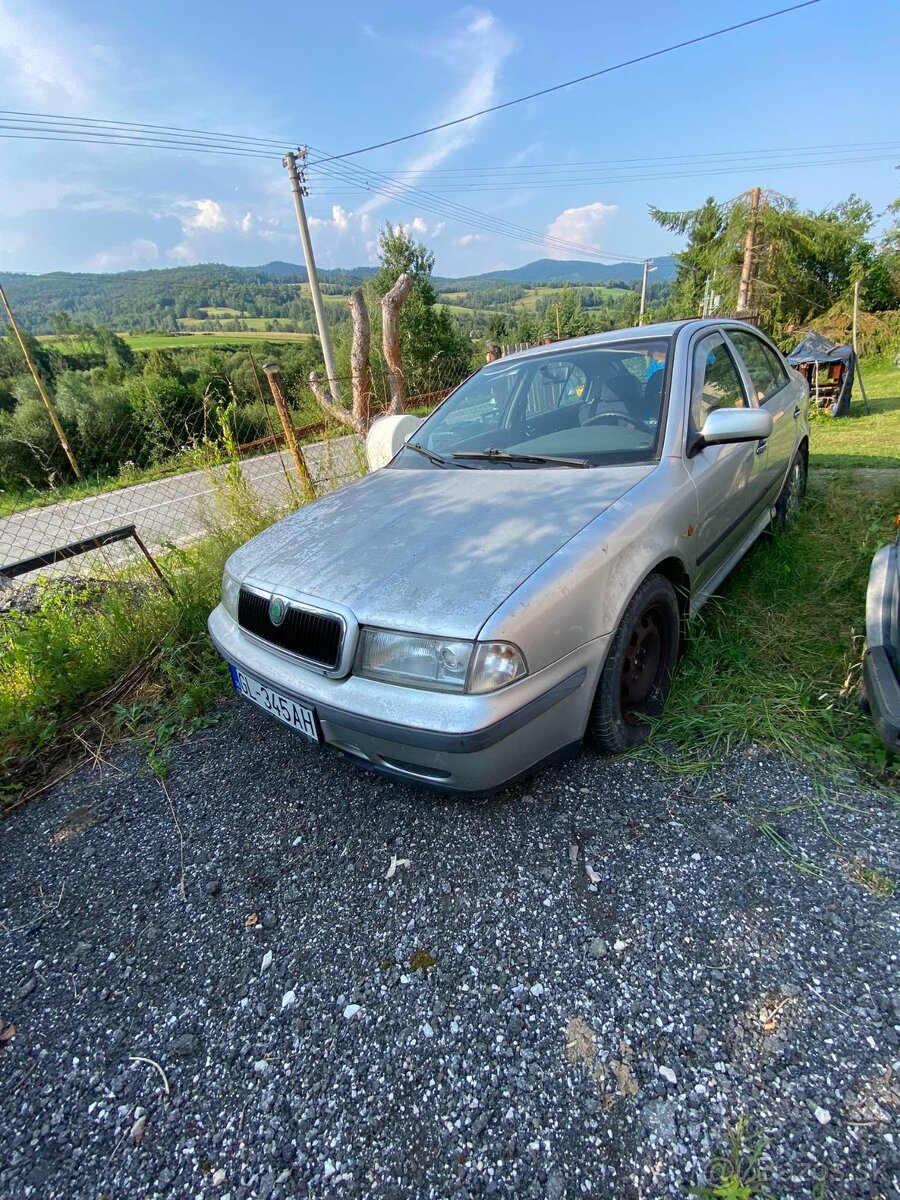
[816, 348]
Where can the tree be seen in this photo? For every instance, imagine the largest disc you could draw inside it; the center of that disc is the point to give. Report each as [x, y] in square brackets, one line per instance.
[803, 262]
[710, 250]
[435, 352]
[497, 327]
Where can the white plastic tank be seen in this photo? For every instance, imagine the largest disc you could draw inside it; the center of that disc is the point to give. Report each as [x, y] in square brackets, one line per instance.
[387, 436]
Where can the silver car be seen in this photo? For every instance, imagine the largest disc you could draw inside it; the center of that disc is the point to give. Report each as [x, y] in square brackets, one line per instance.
[517, 580]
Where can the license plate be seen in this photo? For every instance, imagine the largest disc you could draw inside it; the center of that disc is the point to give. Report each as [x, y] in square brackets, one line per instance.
[299, 716]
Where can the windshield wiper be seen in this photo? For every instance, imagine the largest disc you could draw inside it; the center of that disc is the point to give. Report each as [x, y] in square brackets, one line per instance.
[495, 455]
[429, 454]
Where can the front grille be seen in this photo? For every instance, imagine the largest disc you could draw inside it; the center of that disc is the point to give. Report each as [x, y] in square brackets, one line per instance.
[310, 635]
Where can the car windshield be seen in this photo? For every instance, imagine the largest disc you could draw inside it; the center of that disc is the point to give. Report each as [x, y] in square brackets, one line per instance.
[584, 406]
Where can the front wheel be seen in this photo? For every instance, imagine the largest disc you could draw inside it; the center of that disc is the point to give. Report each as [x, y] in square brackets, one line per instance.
[791, 496]
[637, 675]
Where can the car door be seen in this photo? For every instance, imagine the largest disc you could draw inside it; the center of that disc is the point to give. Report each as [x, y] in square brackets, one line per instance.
[730, 479]
[768, 380]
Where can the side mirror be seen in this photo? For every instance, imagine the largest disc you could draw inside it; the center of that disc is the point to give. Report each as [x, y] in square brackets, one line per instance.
[724, 425]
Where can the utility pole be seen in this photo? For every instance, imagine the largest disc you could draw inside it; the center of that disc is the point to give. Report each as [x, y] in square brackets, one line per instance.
[48, 403]
[745, 290]
[647, 270]
[558, 334]
[299, 190]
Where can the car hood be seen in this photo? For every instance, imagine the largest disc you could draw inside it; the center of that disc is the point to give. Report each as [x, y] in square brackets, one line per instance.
[430, 550]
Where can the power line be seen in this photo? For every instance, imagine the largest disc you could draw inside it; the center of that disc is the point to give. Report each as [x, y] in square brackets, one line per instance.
[705, 37]
[281, 143]
[451, 210]
[613, 180]
[651, 159]
[90, 131]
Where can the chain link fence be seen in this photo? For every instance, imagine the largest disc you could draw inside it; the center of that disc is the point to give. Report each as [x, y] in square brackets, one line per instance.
[56, 528]
[106, 581]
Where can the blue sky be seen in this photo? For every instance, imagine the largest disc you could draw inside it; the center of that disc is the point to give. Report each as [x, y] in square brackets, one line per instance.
[343, 76]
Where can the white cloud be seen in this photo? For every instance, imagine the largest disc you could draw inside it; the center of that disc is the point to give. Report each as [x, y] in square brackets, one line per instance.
[475, 53]
[136, 253]
[581, 225]
[468, 239]
[208, 216]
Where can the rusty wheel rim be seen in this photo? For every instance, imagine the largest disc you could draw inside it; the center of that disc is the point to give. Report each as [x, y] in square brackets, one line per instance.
[639, 682]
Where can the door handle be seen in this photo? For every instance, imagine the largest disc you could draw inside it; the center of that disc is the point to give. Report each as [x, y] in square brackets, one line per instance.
[761, 447]
[796, 412]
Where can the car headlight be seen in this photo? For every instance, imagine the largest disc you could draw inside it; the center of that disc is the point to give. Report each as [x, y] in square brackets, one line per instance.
[231, 590]
[440, 664]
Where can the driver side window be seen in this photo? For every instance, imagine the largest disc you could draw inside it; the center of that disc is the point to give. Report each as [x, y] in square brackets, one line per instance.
[716, 382]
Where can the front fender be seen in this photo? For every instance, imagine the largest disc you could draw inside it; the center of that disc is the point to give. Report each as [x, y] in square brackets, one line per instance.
[581, 592]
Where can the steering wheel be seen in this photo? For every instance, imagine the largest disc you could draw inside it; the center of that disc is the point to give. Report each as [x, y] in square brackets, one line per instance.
[618, 419]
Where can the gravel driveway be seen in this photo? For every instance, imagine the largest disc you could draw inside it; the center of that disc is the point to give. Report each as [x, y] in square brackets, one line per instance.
[284, 977]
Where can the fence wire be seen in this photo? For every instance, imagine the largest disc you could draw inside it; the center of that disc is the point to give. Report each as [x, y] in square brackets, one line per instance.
[165, 468]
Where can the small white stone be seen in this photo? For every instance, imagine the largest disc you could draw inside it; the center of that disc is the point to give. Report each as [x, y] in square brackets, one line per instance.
[289, 999]
[619, 945]
[261, 1067]
[454, 1026]
[218, 1177]
[822, 1115]
[669, 1074]
[351, 1010]
[537, 989]
[267, 961]
[695, 857]
[548, 903]
[330, 1168]
[427, 1030]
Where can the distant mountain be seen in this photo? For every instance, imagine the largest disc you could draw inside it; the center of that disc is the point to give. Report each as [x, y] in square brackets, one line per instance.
[294, 272]
[553, 270]
[161, 298]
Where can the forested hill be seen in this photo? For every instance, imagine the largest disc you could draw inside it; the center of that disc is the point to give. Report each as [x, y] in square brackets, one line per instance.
[159, 299]
[162, 299]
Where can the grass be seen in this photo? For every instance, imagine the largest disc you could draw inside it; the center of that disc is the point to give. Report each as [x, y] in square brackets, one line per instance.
[862, 440]
[93, 665]
[738, 1173]
[775, 659]
[176, 341]
[770, 659]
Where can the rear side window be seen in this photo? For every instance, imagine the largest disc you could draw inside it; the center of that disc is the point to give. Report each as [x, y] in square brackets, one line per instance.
[763, 366]
[715, 382]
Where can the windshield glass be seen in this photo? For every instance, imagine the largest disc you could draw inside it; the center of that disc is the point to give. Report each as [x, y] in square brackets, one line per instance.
[601, 405]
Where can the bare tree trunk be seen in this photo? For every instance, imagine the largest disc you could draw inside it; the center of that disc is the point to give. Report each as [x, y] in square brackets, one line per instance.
[390, 307]
[360, 368]
[323, 394]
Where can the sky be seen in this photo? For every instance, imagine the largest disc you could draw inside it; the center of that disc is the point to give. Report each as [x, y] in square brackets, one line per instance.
[340, 78]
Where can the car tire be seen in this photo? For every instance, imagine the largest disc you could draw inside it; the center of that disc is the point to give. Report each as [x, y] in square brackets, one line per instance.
[791, 496]
[637, 674]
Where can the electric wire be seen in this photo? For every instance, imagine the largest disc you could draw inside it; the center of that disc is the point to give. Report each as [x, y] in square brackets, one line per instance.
[572, 82]
[614, 180]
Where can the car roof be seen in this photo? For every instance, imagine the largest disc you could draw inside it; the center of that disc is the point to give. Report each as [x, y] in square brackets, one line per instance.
[664, 329]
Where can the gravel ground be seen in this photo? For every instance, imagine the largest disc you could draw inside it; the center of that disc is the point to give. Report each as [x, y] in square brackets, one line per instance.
[284, 977]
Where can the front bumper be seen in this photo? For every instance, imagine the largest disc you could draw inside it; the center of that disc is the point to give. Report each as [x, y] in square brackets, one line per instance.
[445, 741]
